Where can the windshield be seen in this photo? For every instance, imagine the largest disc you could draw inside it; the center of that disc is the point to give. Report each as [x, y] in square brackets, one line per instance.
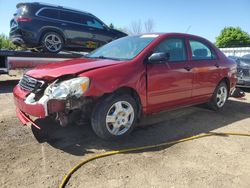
[125, 48]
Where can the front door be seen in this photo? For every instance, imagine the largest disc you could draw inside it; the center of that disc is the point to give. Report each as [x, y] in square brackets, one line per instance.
[100, 33]
[169, 83]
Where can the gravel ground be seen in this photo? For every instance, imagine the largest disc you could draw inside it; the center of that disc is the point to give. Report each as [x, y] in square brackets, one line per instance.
[32, 158]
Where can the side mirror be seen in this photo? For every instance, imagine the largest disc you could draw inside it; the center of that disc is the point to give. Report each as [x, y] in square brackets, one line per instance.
[159, 57]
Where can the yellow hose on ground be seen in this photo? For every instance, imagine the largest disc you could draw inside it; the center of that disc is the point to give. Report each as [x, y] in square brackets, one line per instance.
[109, 153]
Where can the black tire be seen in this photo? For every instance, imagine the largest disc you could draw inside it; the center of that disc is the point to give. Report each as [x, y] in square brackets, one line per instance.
[214, 103]
[107, 105]
[58, 42]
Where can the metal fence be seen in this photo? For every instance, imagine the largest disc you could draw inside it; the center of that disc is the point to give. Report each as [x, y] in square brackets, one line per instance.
[239, 52]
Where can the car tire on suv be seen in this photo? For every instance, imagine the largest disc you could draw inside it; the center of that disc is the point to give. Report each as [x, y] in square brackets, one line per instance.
[52, 42]
[114, 116]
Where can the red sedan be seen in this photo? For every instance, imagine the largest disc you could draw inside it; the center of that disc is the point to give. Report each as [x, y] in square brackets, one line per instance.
[116, 84]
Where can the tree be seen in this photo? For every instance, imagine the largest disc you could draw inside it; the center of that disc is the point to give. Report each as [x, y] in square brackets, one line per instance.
[136, 27]
[111, 26]
[233, 37]
[5, 43]
[149, 26]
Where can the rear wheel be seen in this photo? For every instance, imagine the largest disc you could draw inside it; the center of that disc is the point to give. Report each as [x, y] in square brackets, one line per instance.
[52, 42]
[114, 116]
[219, 97]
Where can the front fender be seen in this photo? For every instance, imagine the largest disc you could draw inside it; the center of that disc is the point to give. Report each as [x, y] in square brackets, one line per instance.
[109, 79]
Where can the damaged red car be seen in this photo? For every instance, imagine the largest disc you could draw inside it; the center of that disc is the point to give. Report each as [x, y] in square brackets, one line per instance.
[123, 80]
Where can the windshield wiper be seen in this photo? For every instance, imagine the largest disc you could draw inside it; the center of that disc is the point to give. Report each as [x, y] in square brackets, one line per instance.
[104, 57]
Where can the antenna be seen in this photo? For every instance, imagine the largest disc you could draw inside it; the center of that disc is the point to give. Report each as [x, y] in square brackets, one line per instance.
[188, 28]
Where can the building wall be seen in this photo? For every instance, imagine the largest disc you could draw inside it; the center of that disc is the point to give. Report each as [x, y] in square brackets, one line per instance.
[239, 52]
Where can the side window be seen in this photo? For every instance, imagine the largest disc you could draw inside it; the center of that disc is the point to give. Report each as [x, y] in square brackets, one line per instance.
[92, 22]
[175, 47]
[49, 13]
[71, 16]
[201, 51]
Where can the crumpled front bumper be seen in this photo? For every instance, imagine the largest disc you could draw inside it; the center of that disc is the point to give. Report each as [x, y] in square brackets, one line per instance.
[40, 109]
[37, 110]
[25, 118]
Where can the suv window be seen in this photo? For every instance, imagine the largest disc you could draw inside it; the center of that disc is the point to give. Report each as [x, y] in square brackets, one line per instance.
[80, 19]
[20, 11]
[175, 47]
[201, 51]
[71, 16]
[92, 22]
[49, 13]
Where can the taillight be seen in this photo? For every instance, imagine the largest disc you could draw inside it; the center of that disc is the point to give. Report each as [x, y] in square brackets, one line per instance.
[24, 19]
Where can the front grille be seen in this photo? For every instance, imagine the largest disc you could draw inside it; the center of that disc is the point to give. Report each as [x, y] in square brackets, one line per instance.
[243, 72]
[30, 84]
[246, 72]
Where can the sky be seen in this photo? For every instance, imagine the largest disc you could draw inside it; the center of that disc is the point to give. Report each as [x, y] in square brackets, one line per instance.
[205, 18]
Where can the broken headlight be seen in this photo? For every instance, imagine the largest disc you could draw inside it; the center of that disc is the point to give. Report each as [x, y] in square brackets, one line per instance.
[65, 89]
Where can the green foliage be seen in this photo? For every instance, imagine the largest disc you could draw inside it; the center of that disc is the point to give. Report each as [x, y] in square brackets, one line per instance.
[111, 26]
[5, 43]
[233, 37]
[124, 30]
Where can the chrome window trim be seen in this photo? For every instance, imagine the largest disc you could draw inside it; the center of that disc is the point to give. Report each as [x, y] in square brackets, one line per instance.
[83, 13]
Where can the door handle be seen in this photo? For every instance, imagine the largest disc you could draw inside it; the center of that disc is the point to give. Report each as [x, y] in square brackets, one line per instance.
[188, 68]
[63, 24]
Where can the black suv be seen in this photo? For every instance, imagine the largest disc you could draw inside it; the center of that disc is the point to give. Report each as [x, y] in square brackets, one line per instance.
[50, 28]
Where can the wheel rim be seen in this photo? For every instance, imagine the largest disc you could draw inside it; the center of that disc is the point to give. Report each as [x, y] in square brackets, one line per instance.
[119, 118]
[53, 42]
[221, 96]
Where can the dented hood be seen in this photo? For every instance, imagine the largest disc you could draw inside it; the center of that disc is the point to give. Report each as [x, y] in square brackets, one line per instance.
[69, 67]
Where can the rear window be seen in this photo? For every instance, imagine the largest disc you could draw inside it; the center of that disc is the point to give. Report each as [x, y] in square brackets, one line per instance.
[200, 51]
[21, 11]
[49, 13]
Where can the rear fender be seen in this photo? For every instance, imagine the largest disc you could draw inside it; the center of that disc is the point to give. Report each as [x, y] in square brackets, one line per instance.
[51, 29]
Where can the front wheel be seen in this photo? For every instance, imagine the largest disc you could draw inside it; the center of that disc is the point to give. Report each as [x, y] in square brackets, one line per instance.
[219, 97]
[114, 116]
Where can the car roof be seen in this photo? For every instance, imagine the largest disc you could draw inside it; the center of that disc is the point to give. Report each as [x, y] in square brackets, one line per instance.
[174, 34]
[161, 34]
[51, 6]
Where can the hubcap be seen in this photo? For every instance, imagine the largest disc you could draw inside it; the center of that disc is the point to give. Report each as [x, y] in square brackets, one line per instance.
[119, 118]
[52, 42]
[221, 96]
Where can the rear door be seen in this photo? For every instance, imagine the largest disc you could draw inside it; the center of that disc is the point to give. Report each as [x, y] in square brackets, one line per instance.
[205, 66]
[169, 83]
[76, 31]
